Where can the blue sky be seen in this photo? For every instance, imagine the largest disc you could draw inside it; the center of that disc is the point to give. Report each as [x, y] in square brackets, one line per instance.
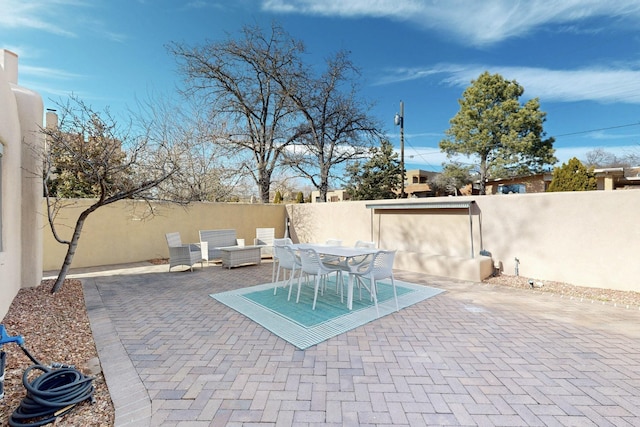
[581, 58]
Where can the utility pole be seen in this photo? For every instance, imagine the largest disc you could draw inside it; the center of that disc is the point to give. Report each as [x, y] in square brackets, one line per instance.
[399, 121]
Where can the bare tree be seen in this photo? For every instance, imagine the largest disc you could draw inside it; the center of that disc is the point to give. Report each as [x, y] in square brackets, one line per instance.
[600, 158]
[454, 177]
[236, 78]
[206, 172]
[89, 151]
[336, 128]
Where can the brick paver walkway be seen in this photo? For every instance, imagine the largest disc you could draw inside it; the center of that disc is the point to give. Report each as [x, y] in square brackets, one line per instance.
[474, 355]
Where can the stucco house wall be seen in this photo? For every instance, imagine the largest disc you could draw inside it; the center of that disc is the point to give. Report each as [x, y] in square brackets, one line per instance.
[21, 113]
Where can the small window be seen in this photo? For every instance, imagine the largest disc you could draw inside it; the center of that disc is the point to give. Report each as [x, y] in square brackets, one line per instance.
[512, 188]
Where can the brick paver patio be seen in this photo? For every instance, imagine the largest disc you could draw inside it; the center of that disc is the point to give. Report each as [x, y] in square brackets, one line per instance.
[474, 355]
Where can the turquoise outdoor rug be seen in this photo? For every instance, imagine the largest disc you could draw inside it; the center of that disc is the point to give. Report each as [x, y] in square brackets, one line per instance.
[303, 327]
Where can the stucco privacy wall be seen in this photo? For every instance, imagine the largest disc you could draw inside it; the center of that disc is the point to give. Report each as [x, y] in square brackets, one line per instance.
[584, 238]
[21, 113]
[435, 241]
[118, 233]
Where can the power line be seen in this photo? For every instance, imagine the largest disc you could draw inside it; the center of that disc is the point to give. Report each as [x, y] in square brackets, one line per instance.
[597, 130]
[421, 155]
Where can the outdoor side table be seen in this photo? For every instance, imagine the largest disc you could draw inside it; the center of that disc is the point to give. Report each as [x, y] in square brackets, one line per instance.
[234, 256]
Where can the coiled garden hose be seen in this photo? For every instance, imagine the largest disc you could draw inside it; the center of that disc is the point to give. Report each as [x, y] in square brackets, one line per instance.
[3, 361]
[51, 394]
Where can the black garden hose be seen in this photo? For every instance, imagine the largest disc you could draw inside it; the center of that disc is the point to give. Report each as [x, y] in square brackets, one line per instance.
[50, 395]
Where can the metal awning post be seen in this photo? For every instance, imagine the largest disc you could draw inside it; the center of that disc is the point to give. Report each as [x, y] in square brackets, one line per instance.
[471, 231]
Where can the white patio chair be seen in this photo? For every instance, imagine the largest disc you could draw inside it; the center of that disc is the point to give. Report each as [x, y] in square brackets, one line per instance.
[348, 264]
[354, 262]
[288, 261]
[380, 267]
[179, 254]
[278, 242]
[330, 259]
[312, 266]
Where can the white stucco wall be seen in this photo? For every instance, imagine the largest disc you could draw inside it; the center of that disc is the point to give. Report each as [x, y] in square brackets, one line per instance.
[21, 113]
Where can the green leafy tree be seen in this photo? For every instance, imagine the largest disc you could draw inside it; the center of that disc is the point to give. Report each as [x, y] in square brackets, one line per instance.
[300, 197]
[277, 198]
[573, 176]
[377, 178]
[503, 135]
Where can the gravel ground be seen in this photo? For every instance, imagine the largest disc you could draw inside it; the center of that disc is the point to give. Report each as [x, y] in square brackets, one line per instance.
[624, 299]
[56, 329]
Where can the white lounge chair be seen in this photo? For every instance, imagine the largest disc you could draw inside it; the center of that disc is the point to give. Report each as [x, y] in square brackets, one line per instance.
[182, 254]
[265, 236]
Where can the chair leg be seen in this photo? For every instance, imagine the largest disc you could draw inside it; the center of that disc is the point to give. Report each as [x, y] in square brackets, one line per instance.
[374, 294]
[299, 286]
[395, 293]
[274, 280]
[273, 270]
[340, 278]
[315, 292]
[290, 282]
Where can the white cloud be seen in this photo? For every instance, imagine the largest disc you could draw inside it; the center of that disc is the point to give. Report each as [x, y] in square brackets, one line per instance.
[477, 22]
[47, 72]
[39, 15]
[430, 158]
[598, 84]
[58, 17]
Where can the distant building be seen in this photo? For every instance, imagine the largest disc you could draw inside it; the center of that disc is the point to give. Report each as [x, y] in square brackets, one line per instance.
[416, 183]
[607, 179]
[536, 183]
[332, 196]
[618, 178]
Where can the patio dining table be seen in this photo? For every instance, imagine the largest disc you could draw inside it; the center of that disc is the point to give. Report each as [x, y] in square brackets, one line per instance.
[346, 252]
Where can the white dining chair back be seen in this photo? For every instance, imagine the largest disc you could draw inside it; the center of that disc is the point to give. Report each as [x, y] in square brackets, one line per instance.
[364, 244]
[334, 242]
[282, 242]
[382, 265]
[378, 268]
[312, 265]
[278, 242]
[358, 261]
[288, 261]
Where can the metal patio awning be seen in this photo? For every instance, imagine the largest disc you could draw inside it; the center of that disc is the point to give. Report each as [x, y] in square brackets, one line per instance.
[430, 205]
[422, 205]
